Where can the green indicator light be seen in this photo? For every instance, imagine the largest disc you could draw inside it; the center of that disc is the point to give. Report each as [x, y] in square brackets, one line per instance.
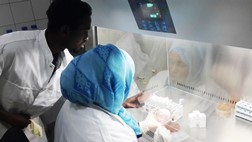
[149, 5]
[153, 16]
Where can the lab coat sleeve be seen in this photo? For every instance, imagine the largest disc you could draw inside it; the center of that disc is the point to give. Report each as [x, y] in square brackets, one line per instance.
[1, 60]
[6, 57]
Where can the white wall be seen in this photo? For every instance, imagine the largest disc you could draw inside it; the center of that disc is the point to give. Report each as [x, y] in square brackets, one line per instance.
[18, 14]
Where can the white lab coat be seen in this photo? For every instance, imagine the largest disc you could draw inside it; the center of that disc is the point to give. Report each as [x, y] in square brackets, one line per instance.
[26, 81]
[77, 123]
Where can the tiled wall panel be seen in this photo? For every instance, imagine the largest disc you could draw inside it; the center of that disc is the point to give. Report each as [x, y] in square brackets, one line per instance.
[18, 15]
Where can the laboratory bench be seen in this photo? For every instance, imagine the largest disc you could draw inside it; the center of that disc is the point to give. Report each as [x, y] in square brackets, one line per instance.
[219, 127]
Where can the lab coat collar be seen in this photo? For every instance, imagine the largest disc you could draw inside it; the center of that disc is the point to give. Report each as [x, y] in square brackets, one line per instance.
[43, 44]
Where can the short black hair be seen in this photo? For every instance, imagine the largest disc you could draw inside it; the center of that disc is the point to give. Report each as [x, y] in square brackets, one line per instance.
[72, 13]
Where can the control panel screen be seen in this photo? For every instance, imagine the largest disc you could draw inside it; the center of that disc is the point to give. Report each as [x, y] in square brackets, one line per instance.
[150, 10]
[152, 15]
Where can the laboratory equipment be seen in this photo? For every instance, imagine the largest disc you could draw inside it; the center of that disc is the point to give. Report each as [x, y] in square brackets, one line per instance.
[224, 109]
[162, 115]
[243, 109]
[197, 119]
[156, 102]
[152, 15]
[165, 110]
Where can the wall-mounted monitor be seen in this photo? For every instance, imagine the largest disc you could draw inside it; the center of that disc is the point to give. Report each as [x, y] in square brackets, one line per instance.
[152, 15]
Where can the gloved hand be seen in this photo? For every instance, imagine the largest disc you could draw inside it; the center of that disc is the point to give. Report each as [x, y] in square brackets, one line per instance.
[35, 129]
[172, 126]
[162, 135]
[149, 123]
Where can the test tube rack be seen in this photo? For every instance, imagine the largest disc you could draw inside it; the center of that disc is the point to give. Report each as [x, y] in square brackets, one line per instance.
[197, 119]
[155, 102]
[243, 109]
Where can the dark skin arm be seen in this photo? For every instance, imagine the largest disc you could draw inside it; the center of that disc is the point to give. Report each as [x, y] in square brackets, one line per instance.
[17, 120]
[133, 102]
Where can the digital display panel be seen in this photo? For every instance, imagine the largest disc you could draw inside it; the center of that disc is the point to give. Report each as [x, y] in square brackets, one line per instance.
[152, 15]
[150, 10]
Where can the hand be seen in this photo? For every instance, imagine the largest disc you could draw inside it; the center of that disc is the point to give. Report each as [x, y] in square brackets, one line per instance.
[162, 135]
[172, 126]
[35, 129]
[133, 102]
[150, 123]
[16, 120]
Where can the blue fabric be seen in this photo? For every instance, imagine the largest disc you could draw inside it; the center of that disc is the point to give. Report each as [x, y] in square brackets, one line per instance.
[102, 76]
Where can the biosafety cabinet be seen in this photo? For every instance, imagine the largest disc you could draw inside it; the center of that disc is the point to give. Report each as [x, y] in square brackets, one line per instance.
[192, 58]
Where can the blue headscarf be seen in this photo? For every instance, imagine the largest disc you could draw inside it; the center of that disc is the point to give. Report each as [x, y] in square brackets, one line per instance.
[102, 76]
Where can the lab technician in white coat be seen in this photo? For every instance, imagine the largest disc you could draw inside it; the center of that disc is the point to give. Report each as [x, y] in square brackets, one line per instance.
[189, 67]
[95, 85]
[188, 61]
[190, 64]
[31, 63]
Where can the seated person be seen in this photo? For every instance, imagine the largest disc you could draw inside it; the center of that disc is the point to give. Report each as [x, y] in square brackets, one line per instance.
[95, 85]
[187, 62]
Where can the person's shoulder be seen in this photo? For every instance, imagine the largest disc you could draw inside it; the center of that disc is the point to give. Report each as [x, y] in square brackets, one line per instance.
[19, 36]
